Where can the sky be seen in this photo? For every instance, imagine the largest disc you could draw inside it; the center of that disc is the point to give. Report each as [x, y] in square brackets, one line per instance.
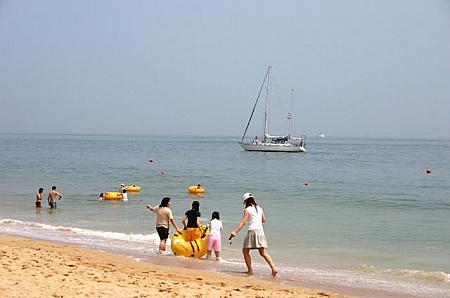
[368, 69]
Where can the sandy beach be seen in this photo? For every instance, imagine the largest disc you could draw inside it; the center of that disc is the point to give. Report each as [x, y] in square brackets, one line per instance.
[31, 268]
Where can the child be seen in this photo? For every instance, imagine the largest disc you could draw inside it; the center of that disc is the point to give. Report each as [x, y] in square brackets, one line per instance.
[214, 237]
[124, 195]
[39, 198]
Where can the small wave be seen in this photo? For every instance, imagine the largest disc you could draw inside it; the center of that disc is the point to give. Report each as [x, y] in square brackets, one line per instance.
[83, 232]
[436, 276]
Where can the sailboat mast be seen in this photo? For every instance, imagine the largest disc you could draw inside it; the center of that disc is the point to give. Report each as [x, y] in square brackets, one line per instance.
[289, 116]
[266, 113]
[254, 107]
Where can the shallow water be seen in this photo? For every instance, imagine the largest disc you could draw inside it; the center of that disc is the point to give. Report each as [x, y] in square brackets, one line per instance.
[369, 217]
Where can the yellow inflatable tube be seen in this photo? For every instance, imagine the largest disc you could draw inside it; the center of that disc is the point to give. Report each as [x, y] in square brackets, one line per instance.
[132, 188]
[196, 248]
[196, 189]
[112, 196]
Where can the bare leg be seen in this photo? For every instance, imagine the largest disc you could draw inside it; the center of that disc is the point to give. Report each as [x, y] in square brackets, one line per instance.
[162, 245]
[248, 260]
[208, 255]
[266, 256]
[218, 258]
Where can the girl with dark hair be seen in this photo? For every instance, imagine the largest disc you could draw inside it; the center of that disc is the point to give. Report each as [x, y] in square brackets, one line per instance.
[193, 225]
[255, 238]
[214, 238]
[163, 217]
[165, 202]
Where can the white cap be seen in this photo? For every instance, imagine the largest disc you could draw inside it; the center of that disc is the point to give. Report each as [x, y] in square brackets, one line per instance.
[247, 195]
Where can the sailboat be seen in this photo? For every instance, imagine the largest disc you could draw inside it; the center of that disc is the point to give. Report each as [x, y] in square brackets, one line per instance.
[268, 142]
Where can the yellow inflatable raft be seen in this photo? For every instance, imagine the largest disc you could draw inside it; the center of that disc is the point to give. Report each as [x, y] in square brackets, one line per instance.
[196, 189]
[196, 248]
[112, 196]
[132, 188]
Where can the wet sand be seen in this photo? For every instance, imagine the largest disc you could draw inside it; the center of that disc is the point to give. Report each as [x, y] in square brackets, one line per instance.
[32, 268]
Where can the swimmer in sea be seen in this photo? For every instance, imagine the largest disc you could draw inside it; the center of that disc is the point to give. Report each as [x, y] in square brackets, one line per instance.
[51, 199]
[39, 196]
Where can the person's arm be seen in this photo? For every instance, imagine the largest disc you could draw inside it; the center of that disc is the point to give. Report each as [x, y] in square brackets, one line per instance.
[60, 195]
[174, 223]
[199, 224]
[48, 198]
[241, 225]
[263, 217]
[150, 207]
[184, 221]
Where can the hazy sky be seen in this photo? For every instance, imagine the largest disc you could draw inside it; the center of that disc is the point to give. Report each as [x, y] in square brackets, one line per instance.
[359, 68]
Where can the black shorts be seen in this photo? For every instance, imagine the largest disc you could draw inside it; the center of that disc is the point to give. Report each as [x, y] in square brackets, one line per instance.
[163, 232]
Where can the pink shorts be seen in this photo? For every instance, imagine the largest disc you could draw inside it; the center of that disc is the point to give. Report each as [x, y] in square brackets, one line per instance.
[214, 243]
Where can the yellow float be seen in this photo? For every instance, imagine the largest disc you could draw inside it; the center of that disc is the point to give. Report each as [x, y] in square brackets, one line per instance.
[196, 189]
[132, 188]
[112, 196]
[195, 248]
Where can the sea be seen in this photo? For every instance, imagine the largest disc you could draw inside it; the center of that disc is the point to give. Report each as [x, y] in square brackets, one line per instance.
[359, 214]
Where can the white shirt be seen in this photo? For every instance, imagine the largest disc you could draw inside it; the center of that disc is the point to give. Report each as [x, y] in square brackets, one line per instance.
[255, 220]
[215, 227]
[124, 197]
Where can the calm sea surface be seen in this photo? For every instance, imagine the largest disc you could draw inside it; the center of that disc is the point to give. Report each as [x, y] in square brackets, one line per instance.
[370, 216]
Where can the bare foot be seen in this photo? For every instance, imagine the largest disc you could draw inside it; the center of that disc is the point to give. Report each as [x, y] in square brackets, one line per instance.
[249, 272]
[274, 273]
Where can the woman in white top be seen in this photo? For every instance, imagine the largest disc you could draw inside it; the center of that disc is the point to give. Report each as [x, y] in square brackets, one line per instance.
[255, 238]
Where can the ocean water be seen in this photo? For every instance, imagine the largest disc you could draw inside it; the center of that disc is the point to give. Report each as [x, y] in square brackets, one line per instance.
[369, 218]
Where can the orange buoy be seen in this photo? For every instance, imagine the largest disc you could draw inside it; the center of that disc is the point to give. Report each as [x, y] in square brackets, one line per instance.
[429, 171]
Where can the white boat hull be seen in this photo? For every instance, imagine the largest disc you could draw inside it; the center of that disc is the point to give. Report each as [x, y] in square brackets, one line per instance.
[271, 147]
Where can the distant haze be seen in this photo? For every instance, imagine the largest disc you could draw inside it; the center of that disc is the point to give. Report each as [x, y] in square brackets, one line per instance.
[358, 68]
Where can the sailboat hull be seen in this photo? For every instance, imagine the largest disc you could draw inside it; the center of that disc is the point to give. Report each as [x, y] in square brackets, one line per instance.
[270, 147]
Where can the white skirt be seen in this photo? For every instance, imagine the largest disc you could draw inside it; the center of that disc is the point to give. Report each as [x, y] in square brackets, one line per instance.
[255, 239]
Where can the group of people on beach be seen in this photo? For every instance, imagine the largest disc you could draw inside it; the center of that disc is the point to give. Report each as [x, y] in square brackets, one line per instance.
[255, 238]
[53, 196]
[253, 215]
